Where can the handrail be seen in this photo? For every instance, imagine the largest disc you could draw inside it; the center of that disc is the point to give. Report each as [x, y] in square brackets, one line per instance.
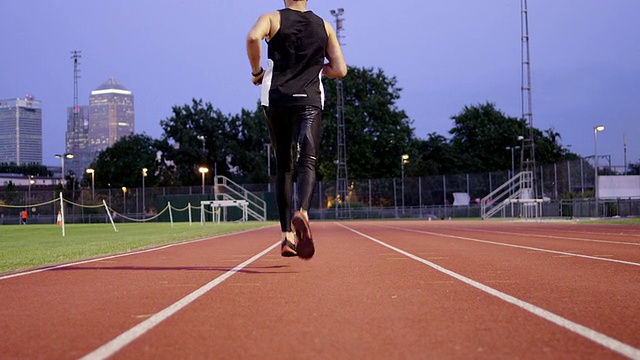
[235, 191]
[518, 190]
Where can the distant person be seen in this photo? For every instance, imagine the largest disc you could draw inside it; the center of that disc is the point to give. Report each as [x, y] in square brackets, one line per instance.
[298, 41]
[23, 216]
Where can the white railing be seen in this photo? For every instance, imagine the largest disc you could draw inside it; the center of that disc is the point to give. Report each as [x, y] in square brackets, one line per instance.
[514, 198]
[225, 189]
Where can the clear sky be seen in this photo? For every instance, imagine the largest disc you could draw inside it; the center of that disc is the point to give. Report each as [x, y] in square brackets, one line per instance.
[585, 59]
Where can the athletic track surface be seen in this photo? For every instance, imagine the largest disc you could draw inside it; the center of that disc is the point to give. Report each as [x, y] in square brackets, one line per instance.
[374, 290]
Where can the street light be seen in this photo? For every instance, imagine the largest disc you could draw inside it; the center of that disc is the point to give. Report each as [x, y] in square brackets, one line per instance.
[268, 147]
[203, 139]
[595, 159]
[93, 181]
[203, 170]
[404, 159]
[31, 182]
[513, 168]
[336, 14]
[144, 175]
[124, 197]
[62, 157]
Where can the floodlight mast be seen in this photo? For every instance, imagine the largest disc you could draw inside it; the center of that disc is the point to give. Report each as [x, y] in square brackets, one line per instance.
[73, 146]
[342, 206]
[527, 154]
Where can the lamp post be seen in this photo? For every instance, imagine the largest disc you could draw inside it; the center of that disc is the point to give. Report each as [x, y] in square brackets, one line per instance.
[203, 139]
[268, 147]
[62, 157]
[624, 143]
[513, 167]
[337, 13]
[93, 181]
[595, 160]
[124, 197]
[31, 182]
[144, 175]
[404, 159]
[203, 170]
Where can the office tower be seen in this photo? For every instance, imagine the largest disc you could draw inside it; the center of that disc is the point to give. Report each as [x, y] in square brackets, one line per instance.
[77, 139]
[93, 128]
[111, 115]
[21, 131]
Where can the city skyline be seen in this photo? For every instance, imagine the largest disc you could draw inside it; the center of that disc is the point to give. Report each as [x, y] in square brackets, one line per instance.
[92, 128]
[585, 60]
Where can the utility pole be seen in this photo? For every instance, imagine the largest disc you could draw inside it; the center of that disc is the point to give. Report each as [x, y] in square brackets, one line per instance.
[624, 142]
[343, 209]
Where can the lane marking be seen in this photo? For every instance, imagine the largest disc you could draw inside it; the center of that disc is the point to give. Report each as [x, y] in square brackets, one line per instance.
[551, 236]
[602, 233]
[590, 334]
[514, 246]
[135, 332]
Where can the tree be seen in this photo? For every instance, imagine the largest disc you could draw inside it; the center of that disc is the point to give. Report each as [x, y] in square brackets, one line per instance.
[434, 156]
[377, 132]
[199, 135]
[548, 148]
[10, 195]
[34, 169]
[122, 163]
[480, 136]
[249, 151]
[482, 133]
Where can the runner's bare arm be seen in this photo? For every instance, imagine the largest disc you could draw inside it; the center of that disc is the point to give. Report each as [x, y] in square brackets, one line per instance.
[254, 46]
[336, 67]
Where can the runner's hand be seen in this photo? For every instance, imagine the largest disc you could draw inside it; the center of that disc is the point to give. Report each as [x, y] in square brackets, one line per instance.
[257, 80]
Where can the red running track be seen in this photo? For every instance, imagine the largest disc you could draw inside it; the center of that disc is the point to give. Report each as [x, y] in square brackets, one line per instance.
[374, 290]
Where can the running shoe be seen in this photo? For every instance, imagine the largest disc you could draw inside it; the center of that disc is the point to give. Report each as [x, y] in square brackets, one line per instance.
[304, 246]
[288, 249]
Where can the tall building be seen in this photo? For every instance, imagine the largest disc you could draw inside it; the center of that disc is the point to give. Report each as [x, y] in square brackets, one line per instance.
[111, 115]
[21, 131]
[91, 129]
[77, 139]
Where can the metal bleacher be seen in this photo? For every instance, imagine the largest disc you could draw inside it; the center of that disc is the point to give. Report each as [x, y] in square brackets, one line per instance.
[514, 198]
[229, 194]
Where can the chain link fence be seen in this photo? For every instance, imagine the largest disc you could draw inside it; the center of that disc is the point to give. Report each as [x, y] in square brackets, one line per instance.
[567, 189]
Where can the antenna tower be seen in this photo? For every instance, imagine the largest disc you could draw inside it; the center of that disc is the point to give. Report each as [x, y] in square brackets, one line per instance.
[527, 154]
[73, 148]
[343, 209]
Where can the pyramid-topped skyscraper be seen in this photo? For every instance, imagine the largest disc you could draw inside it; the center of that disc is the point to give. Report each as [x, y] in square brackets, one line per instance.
[111, 114]
[91, 129]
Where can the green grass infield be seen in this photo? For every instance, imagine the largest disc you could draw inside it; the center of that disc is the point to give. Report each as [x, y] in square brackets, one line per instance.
[30, 246]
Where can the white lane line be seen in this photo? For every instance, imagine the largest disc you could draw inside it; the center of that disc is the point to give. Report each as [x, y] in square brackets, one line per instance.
[554, 236]
[135, 332]
[515, 246]
[82, 262]
[590, 334]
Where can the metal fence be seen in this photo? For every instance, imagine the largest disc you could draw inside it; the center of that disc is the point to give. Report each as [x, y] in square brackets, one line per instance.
[567, 188]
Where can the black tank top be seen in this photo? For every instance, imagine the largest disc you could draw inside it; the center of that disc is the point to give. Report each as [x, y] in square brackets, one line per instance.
[296, 55]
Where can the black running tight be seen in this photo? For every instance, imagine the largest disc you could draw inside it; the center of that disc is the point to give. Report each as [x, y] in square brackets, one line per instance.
[295, 136]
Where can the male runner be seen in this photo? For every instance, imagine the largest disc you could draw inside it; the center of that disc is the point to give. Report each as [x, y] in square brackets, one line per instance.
[292, 96]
